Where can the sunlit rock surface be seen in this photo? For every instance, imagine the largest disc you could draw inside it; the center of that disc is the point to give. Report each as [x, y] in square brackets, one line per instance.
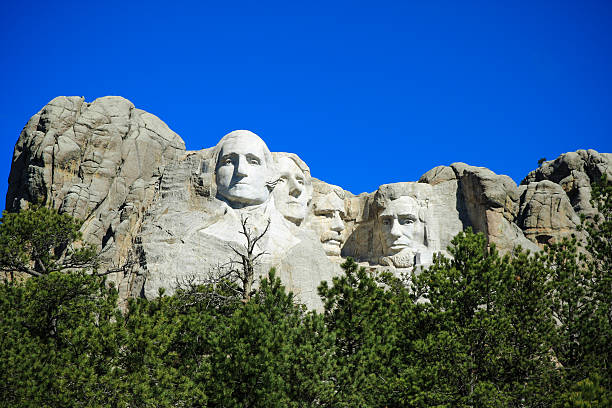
[168, 215]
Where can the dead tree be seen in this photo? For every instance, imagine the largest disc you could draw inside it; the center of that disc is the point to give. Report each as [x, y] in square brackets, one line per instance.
[229, 282]
[243, 268]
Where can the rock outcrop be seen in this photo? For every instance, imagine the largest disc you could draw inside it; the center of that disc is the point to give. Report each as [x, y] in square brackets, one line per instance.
[162, 215]
[553, 196]
[100, 162]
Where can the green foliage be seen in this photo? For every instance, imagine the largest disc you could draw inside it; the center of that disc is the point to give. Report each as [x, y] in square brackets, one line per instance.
[270, 353]
[38, 241]
[599, 265]
[599, 231]
[362, 316]
[59, 341]
[491, 316]
[473, 330]
[581, 287]
[588, 393]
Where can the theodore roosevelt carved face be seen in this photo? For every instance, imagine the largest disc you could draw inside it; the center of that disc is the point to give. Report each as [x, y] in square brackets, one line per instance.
[293, 189]
[328, 222]
[243, 169]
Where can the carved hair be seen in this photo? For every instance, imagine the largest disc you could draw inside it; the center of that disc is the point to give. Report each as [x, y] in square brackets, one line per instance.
[298, 162]
[394, 191]
[239, 133]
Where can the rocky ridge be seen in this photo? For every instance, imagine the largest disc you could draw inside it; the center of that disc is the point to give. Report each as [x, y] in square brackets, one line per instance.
[159, 212]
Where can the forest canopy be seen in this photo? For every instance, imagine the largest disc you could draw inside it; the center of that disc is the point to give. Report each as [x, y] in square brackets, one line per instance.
[476, 329]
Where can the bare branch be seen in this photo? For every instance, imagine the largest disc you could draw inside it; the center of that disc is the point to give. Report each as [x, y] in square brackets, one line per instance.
[259, 254]
[125, 268]
[262, 234]
[228, 282]
[235, 250]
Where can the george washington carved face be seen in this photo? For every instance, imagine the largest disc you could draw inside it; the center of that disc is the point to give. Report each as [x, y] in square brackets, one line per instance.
[243, 169]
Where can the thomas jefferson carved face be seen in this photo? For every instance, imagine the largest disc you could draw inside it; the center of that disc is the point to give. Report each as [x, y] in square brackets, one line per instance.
[290, 193]
[328, 222]
[242, 170]
[400, 227]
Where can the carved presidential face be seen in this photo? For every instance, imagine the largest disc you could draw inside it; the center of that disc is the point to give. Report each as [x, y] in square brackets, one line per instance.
[400, 227]
[290, 193]
[242, 169]
[328, 222]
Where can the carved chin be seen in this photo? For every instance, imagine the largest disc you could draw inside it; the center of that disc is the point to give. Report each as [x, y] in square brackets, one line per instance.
[244, 194]
[292, 212]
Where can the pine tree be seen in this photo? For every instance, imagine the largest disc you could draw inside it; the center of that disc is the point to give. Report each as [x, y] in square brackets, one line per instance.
[59, 343]
[582, 292]
[489, 316]
[362, 315]
[39, 240]
[270, 353]
[599, 263]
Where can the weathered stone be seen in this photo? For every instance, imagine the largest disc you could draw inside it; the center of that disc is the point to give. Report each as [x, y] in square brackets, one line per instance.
[293, 189]
[98, 162]
[438, 175]
[491, 202]
[193, 226]
[575, 172]
[546, 215]
[328, 216]
[169, 215]
[546, 211]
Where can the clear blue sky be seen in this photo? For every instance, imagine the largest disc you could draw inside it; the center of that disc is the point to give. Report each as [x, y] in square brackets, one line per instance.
[365, 92]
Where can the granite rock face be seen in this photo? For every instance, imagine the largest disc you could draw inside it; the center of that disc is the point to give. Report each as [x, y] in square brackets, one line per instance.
[575, 172]
[162, 215]
[553, 196]
[100, 162]
[546, 214]
[485, 201]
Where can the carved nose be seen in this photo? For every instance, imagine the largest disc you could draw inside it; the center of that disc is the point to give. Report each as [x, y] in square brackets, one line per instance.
[241, 168]
[395, 229]
[337, 223]
[295, 188]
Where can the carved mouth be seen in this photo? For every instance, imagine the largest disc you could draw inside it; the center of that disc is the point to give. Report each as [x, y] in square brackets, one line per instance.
[333, 242]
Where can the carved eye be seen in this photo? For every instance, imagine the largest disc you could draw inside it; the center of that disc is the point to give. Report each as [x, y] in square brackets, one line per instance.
[253, 160]
[387, 221]
[283, 179]
[300, 181]
[406, 219]
[227, 161]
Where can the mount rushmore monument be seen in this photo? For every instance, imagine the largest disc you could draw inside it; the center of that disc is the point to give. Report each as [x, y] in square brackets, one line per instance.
[161, 214]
